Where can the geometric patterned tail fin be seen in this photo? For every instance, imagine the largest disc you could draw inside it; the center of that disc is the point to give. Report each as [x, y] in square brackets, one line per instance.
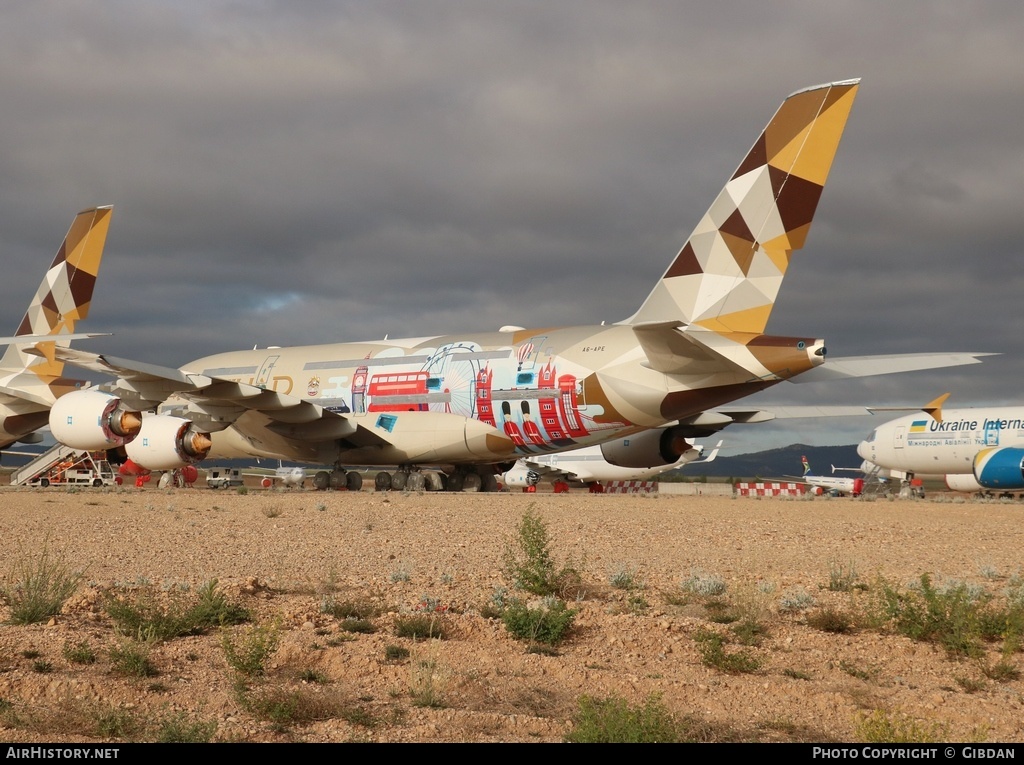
[63, 298]
[728, 274]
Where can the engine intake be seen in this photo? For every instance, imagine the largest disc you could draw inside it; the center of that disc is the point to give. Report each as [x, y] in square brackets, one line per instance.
[521, 476]
[650, 448]
[167, 443]
[93, 420]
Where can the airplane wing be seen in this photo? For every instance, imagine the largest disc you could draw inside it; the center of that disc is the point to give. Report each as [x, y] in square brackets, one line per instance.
[868, 366]
[275, 423]
[214, 403]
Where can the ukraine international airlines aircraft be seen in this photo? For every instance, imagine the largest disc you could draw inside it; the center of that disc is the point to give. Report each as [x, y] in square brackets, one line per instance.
[975, 449]
[473, 401]
[29, 383]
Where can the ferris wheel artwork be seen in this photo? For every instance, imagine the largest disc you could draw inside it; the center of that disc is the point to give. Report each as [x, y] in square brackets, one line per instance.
[453, 369]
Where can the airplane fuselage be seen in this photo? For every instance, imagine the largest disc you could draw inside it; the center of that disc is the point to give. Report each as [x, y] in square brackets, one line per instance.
[920, 444]
[508, 394]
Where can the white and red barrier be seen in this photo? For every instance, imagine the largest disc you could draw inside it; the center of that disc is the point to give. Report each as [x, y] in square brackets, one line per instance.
[630, 487]
[775, 489]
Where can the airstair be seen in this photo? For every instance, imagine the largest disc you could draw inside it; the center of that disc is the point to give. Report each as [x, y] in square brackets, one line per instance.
[44, 462]
[874, 485]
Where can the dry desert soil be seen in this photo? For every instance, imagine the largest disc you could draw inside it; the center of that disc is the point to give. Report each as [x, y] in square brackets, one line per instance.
[298, 561]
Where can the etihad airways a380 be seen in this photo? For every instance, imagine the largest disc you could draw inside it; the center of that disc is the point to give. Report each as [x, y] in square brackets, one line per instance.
[474, 402]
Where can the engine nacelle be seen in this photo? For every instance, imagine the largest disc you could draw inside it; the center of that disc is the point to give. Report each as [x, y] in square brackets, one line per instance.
[167, 443]
[520, 475]
[962, 482]
[93, 420]
[650, 448]
[1000, 468]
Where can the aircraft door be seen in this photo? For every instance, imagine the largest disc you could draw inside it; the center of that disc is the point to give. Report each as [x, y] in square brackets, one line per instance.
[263, 376]
[991, 433]
[899, 439]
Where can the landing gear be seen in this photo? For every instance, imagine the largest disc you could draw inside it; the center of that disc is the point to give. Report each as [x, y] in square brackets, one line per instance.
[382, 481]
[337, 479]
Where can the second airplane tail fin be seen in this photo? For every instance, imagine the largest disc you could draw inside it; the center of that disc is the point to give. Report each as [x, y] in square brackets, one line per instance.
[63, 298]
[729, 272]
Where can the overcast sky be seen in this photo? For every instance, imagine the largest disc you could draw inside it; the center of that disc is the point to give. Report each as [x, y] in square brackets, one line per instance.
[311, 172]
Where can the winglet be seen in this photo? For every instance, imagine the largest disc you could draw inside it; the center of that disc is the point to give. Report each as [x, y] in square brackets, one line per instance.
[934, 407]
[729, 272]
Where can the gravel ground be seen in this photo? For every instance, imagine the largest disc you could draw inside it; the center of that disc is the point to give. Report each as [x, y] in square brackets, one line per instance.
[280, 553]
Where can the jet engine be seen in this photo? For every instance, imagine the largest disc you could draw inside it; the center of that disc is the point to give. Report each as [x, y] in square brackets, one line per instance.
[650, 448]
[520, 475]
[962, 482]
[1000, 468]
[93, 420]
[167, 443]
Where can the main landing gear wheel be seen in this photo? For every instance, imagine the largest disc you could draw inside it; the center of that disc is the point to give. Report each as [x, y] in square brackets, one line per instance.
[382, 482]
[416, 482]
[353, 481]
[399, 480]
[322, 480]
[435, 481]
[472, 482]
[455, 481]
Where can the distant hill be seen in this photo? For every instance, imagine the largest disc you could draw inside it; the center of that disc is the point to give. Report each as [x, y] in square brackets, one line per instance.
[777, 463]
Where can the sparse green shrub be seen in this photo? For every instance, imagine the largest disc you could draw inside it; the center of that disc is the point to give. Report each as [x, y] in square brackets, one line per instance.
[42, 666]
[114, 722]
[272, 511]
[145, 617]
[613, 720]
[624, 578]
[401, 574]
[547, 622]
[242, 490]
[796, 674]
[422, 626]
[285, 707]
[749, 631]
[713, 654]
[529, 563]
[395, 653]
[313, 676]
[179, 728]
[41, 584]
[841, 577]
[131, 659]
[425, 685]
[950, 615]
[1003, 671]
[249, 652]
[349, 609]
[362, 626]
[79, 653]
[882, 727]
[796, 599]
[829, 619]
[704, 584]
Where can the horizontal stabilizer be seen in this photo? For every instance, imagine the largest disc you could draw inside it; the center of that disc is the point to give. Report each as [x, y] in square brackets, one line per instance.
[56, 338]
[867, 366]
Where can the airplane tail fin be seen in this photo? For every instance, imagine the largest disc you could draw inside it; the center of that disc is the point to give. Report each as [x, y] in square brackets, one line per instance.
[729, 272]
[63, 298]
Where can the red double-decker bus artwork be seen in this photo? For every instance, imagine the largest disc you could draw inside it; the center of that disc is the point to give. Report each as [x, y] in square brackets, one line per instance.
[385, 388]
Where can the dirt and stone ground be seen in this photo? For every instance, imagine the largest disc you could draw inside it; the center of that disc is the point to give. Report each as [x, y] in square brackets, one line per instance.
[281, 553]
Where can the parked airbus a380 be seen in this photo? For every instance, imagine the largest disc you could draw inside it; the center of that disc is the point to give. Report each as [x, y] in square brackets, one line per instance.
[475, 401]
[975, 449]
